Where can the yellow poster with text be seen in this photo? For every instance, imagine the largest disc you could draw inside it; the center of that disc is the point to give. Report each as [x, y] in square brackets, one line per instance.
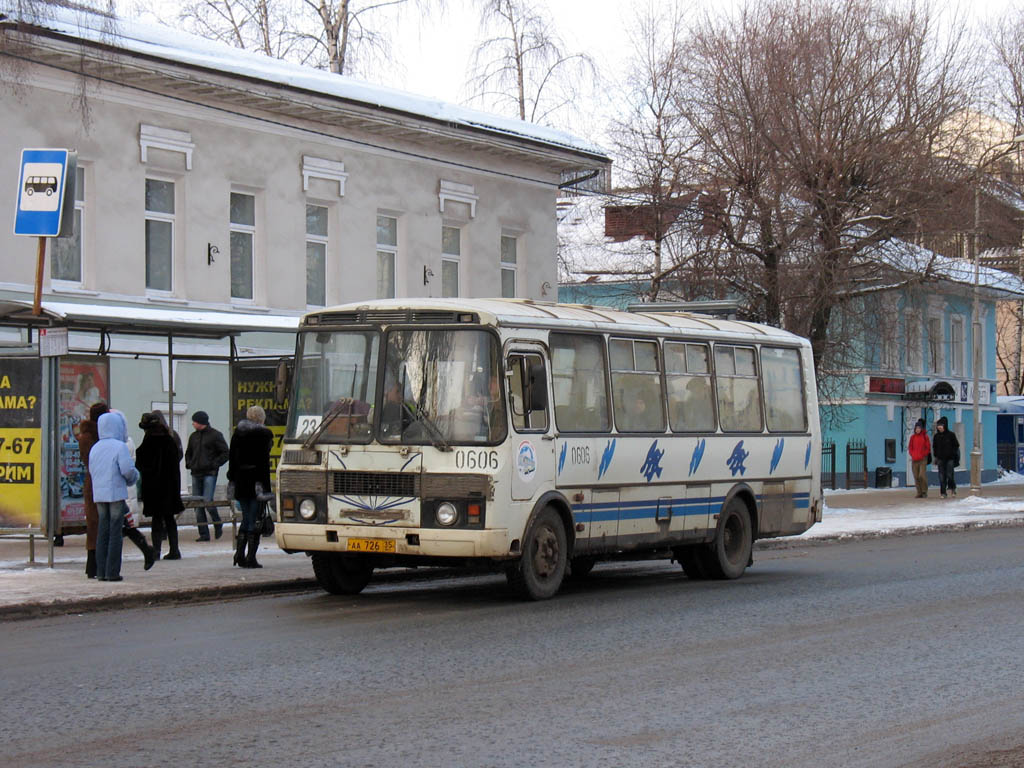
[20, 443]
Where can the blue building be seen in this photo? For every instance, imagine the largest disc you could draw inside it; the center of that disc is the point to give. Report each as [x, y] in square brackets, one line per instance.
[917, 353]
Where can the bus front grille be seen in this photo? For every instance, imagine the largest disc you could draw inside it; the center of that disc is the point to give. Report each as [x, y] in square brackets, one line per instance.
[375, 484]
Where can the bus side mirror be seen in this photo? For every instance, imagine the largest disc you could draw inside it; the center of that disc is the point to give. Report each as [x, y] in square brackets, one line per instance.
[538, 387]
[282, 377]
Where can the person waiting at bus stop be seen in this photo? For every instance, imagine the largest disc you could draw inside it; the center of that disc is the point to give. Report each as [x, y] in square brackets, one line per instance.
[249, 467]
[206, 453]
[157, 461]
[920, 449]
[946, 448]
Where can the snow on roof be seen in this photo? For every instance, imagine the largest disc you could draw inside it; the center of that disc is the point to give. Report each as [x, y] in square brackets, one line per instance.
[174, 45]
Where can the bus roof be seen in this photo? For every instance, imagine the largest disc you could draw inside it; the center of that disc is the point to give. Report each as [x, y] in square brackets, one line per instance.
[512, 313]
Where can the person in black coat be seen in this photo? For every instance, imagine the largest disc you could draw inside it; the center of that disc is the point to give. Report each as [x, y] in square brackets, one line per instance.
[249, 466]
[157, 460]
[946, 450]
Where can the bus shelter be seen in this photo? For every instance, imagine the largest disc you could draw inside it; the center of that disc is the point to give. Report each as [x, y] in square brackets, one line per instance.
[54, 365]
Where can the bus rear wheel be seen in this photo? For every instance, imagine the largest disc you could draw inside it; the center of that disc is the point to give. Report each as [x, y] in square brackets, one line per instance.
[539, 572]
[727, 556]
[341, 574]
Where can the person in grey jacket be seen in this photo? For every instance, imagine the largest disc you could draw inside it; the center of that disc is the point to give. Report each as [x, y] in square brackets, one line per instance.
[112, 472]
[207, 451]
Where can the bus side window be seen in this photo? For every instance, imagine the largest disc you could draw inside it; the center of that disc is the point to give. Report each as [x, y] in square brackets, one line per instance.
[739, 396]
[579, 372]
[688, 377]
[783, 390]
[527, 393]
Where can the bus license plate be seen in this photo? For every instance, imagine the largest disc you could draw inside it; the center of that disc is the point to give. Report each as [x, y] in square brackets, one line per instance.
[371, 545]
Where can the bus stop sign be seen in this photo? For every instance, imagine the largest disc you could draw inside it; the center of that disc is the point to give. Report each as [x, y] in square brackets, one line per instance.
[46, 193]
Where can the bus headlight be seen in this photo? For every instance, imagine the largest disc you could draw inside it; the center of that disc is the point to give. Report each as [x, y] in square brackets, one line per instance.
[307, 509]
[446, 513]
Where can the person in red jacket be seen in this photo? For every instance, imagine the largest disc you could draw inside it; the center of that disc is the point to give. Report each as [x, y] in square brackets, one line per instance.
[920, 448]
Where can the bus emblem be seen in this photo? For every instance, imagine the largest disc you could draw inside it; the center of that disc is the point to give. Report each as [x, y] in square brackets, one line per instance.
[652, 464]
[777, 455]
[526, 461]
[735, 461]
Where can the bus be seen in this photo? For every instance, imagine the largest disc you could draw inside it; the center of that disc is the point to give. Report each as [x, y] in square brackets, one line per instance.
[541, 438]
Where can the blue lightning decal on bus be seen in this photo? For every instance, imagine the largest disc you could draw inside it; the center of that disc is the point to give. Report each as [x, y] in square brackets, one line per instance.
[777, 454]
[561, 457]
[807, 456]
[606, 458]
[698, 455]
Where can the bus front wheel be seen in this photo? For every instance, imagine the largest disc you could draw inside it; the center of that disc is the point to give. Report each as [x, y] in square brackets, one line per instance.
[341, 574]
[727, 556]
[539, 572]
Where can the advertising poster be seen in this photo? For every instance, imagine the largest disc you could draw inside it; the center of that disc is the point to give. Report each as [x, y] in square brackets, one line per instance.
[252, 383]
[20, 446]
[83, 381]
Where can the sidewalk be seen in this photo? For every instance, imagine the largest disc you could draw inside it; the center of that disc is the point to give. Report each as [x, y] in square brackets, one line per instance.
[205, 571]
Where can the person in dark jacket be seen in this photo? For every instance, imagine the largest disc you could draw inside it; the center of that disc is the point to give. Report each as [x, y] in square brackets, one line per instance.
[946, 450]
[87, 438]
[157, 462]
[206, 453]
[249, 466]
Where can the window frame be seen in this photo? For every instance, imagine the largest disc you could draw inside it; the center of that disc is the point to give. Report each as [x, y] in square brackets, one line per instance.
[243, 229]
[957, 349]
[60, 283]
[508, 266]
[936, 342]
[451, 258]
[387, 249]
[323, 240]
[161, 216]
[634, 371]
[710, 376]
[603, 349]
[755, 378]
[802, 390]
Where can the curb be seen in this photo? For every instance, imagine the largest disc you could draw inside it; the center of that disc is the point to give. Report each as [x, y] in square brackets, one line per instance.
[35, 610]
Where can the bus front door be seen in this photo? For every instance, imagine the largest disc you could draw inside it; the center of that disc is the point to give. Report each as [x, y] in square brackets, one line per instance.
[533, 445]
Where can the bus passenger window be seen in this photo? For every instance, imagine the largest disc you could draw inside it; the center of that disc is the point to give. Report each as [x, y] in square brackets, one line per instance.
[739, 396]
[520, 392]
[783, 390]
[636, 385]
[688, 380]
[579, 374]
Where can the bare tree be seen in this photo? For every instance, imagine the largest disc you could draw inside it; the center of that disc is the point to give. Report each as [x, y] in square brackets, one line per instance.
[337, 35]
[523, 65]
[821, 129]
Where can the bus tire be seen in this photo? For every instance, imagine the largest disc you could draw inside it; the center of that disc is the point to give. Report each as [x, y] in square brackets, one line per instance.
[580, 567]
[691, 558]
[341, 574]
[727, 556]
[539, 572]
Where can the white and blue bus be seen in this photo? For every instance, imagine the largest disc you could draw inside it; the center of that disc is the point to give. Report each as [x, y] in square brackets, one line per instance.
[542, 438]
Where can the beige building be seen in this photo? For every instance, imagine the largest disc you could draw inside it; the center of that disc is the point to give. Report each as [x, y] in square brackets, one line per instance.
[218, 179]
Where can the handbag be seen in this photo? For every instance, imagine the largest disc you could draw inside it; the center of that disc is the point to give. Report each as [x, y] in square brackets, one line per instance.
[267, 522]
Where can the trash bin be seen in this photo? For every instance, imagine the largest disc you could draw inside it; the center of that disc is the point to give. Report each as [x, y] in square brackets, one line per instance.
[883, 477]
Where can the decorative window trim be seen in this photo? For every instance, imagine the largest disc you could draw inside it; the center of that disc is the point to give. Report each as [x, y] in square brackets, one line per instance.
[168, 139]
[458, 193]
[320, 168]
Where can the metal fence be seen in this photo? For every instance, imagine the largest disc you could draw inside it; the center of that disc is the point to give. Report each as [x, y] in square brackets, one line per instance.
[856, 464]
[828, 465]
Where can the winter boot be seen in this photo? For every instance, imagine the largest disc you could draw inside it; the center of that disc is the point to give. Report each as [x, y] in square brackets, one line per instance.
[250, 557]
[172, 543]
[240, 550]
[90, 564]
[140, 541]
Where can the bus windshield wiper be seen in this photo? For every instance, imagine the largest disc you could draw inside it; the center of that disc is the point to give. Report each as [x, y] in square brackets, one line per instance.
[437, 436]
[341, 408]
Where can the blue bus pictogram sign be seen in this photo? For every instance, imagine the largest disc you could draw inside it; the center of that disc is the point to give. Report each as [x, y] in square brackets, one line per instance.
[45, 189]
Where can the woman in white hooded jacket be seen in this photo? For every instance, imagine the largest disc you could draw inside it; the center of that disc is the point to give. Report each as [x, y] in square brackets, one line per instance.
[112, 472]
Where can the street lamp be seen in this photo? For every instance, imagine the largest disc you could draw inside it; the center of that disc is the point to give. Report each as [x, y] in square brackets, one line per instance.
[976, 334]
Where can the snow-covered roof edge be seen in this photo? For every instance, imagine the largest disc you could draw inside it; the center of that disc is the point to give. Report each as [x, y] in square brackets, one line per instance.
[184, 48]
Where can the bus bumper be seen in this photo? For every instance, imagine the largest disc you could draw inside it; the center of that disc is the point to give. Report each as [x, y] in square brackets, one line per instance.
[432, 542]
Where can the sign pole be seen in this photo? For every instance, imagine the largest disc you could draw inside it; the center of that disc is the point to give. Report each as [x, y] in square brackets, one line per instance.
[37, 308]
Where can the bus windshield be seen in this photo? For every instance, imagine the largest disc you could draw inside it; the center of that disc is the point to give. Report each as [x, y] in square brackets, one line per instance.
[441, 387]
[335, 386]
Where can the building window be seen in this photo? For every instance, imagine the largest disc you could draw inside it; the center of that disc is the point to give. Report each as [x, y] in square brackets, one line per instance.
[66, 255]
[956, 345]
[159, 235]
[316, 255]
[935, 345]
[387, 256]
[243, 240]
[508, 267]
[451, 251]
[913, 338]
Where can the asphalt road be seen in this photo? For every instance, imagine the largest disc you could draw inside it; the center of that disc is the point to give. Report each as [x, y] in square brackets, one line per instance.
[891, 652]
